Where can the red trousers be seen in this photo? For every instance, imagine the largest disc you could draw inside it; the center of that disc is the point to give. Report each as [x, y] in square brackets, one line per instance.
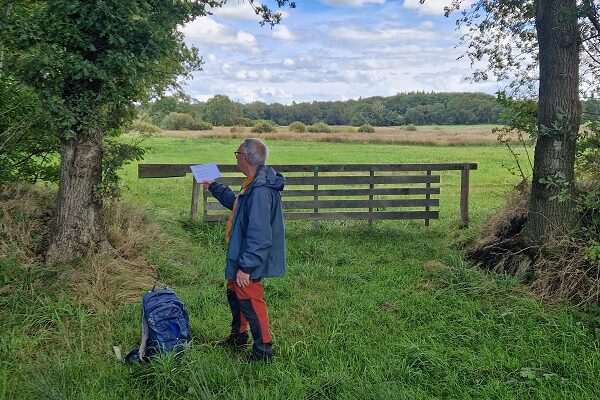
[248, 309]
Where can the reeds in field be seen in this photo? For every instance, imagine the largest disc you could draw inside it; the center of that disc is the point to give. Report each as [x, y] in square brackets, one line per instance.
[425, 135]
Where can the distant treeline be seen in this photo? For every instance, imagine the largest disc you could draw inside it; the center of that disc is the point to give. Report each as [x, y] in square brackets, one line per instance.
[418, 108]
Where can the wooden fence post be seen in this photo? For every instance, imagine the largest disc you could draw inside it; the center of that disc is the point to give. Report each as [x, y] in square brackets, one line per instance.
[464, 196]
[316, 196]
[371, 187]
[195, 196]
[427, 196]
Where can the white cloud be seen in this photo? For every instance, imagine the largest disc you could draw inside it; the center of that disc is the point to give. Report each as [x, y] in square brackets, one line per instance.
[282, 32]
[248, 94]
[427, 25]
[203, 97]
[454, 81]
[430, 7]
[348, 53]
[265, 74]
[352, 3]
[248, 75]
[243, 93]
[288, 62]
[240, 10]
[274, 92]
[382, 35]
[205, 30]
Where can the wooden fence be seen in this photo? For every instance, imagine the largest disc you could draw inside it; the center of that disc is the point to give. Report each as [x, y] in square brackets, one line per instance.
[339, 191]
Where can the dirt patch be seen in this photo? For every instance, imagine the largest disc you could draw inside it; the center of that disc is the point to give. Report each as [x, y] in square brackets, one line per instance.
[501, 248]
[559, 270]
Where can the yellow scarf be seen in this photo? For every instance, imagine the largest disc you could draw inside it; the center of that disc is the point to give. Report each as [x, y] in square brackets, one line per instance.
[245, 184]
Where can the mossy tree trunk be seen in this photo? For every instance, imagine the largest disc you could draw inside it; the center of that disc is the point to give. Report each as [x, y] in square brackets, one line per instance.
[77, 223]
[559, 113]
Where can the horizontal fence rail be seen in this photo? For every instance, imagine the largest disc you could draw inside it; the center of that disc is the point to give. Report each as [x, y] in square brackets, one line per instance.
[338, 191]
[174, 170]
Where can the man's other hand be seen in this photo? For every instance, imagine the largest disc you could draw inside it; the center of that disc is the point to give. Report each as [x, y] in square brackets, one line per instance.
[206, 184]
[242, 279]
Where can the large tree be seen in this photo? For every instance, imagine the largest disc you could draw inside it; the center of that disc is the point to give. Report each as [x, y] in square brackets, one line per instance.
[540, 43]
[88, 63]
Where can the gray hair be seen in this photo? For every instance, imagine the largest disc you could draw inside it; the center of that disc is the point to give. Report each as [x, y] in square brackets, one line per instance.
[256, 151]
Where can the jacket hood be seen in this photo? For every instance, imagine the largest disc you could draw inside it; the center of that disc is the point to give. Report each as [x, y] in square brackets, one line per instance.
[267, 176]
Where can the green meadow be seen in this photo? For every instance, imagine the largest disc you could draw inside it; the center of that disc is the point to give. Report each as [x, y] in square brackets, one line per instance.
[388, 312]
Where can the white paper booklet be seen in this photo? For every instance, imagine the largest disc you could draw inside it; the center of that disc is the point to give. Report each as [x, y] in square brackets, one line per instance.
[205, 172]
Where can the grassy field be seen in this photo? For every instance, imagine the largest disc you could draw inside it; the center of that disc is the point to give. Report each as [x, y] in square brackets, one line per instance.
[436, 135]
[391, 312]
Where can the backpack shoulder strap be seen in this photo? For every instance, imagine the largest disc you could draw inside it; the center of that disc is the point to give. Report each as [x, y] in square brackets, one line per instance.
[142, 349]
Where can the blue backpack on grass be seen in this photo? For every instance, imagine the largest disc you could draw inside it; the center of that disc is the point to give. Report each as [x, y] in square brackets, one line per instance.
[165, 325]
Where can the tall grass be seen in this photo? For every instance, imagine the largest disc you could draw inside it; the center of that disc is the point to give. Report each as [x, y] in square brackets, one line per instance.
[390, 312]
[433, 135]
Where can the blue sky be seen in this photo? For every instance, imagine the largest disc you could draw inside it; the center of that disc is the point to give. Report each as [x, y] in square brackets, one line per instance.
[329, 50]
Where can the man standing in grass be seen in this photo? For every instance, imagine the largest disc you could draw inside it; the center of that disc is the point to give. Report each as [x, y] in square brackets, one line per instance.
[256, 245]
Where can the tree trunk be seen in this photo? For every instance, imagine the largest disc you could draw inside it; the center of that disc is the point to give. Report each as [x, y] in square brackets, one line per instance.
[77, 226]
[551, 211]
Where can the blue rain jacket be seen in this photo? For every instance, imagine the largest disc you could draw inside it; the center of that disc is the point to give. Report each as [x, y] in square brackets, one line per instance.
[257, 240]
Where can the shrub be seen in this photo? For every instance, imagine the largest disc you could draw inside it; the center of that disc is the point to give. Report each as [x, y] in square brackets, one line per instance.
[142, 126]
[243, 121]
[177, 121]
[181, 122]
[262, 126]
[319, 127]
[411, 127]
[297, 126]
[201, 126]
[366, 129]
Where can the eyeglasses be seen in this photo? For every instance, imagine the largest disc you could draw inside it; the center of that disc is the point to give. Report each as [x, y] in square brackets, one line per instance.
[238, 152]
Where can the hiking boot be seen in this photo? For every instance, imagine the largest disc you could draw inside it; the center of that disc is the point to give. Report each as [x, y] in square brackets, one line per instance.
[234, 341]
[260, 357]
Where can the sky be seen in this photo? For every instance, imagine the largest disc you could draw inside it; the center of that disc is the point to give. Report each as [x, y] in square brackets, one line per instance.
[329, 50]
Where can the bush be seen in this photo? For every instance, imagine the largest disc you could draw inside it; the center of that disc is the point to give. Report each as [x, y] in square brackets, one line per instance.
[247, 122]
[366, 129]
[297, 126]
[28, 144]
[200, 125]
[411, 127]
[182, 122]
[262, 126]
[142, 126]
[320, 127]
